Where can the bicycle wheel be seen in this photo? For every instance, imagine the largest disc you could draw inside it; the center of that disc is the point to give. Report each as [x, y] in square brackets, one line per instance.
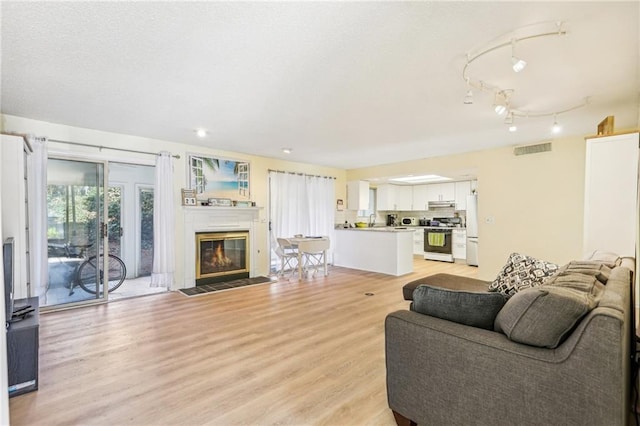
[91, 270]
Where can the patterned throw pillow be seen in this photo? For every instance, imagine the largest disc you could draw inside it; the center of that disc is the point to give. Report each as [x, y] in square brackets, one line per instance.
[522, 272]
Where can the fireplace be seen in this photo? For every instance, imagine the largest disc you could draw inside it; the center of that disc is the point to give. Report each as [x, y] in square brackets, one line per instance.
[221, 256]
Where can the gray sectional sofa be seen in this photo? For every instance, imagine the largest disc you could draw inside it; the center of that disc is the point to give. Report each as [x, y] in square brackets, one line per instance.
[443, 372]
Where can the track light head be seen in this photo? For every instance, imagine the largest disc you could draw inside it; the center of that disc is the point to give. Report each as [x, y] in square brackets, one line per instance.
[468, 98]
[518, 64]
[556, 128]
[500, 104]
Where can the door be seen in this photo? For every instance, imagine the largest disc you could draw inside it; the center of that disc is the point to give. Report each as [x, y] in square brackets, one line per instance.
[76, 212]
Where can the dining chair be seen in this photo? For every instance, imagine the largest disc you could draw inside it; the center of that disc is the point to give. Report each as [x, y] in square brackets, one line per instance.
[287, 253]
[313, 255]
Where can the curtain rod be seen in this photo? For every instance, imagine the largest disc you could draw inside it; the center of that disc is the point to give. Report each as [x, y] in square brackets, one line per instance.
[24, 137]
[100, 147]
[301, 174]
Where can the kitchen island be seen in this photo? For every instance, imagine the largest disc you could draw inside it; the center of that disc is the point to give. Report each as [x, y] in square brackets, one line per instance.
[386, 250]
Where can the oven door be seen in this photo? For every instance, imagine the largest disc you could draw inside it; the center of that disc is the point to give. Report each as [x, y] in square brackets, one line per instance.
[438, 241]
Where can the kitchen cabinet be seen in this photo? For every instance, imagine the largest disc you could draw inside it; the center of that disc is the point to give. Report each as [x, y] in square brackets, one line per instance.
[420, 197]
[404, 197]
[394, 197]
[459, 244]
[611, 187]
[462, 190]
[441, 192]
[418, 241]
[358, 195]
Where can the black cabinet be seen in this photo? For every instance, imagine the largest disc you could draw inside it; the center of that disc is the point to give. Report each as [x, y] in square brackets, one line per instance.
[22, 350]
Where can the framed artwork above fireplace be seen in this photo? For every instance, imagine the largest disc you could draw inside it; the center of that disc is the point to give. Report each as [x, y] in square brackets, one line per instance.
[213, 177]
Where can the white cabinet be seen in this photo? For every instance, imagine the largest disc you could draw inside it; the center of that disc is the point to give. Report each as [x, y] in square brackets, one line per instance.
[385, 197]
[441, 192]
[611, 185]
[357, 195]
[394, 197]
[459, 244]
[420, 197]
[463, 189]
[418, 241]
[404, 197]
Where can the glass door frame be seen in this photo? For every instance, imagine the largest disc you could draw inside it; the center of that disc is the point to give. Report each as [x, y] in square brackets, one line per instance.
[101, 231]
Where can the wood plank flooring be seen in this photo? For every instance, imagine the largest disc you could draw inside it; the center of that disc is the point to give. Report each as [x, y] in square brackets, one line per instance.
[299, 353]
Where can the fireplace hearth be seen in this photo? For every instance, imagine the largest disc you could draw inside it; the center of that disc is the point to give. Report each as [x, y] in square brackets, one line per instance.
[221, 256]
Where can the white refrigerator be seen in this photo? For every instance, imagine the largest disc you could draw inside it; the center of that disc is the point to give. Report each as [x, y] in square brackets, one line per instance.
[472, 230]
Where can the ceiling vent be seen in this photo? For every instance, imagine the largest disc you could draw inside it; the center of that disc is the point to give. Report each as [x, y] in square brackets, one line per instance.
[532, 149]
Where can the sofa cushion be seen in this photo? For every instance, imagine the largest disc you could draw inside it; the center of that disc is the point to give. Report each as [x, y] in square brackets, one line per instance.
[605, 257]
[477, 309]
[586, 267]
[449, 281]
[522, 272]
[543, 316]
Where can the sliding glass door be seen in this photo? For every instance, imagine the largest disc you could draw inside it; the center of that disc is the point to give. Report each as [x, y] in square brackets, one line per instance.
[76, 212]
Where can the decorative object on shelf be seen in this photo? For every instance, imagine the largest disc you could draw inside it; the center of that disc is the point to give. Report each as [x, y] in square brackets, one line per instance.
[606, 126]
[243, 203]
[218, 177]
[220, 202]
[188, 197]
[504, 99]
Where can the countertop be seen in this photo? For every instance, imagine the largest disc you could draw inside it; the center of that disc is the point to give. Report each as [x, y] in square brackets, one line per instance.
[399, 228]
[381, 229]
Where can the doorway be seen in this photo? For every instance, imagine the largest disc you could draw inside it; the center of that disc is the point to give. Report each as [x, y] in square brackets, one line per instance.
[77, 202]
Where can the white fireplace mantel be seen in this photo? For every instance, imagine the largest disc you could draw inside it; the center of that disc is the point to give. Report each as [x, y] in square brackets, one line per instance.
[216, 219]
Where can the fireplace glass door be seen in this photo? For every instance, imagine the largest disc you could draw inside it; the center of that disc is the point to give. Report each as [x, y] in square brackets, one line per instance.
[221, 254]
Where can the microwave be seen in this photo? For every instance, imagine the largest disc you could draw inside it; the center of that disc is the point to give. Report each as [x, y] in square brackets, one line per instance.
[410, 221]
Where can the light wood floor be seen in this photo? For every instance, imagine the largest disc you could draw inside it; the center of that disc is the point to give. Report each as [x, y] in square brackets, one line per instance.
[309, 352]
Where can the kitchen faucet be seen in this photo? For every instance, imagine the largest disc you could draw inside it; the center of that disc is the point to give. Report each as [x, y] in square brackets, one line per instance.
[372, 220]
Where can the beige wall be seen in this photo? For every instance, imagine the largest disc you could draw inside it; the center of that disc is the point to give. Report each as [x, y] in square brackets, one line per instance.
[536, 201]
[259, 169]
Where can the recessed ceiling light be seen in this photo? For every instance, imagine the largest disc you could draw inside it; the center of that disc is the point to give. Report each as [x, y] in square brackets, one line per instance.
[201, 133]
[287, 150]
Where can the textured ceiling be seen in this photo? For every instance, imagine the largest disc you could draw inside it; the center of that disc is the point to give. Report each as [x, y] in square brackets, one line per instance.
[346, 84]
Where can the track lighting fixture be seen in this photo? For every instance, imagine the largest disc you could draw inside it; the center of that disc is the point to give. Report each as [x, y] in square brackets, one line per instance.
[468, 98]
[556, 128]
[504, 98]
[517, 63]
[501, 103]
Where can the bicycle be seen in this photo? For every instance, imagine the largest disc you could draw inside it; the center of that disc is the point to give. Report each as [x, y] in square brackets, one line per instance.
[92, 267]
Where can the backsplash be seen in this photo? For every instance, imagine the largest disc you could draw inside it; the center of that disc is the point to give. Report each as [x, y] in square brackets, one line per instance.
[351, 216]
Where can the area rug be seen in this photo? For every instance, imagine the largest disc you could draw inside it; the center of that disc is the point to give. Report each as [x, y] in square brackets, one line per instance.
[227, 285]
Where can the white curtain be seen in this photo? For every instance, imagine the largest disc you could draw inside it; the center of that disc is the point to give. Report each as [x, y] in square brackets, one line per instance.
[37, 204]
[301, 204]
[163, 224]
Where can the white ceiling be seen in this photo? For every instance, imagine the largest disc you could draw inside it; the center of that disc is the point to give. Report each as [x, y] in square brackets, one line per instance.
[344, 84]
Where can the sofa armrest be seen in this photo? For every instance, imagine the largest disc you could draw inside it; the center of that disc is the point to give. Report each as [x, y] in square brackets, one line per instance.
[441, 372]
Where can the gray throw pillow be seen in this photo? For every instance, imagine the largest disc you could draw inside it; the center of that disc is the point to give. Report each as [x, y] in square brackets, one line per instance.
[543, 316]
[522, 272]
[477, 309]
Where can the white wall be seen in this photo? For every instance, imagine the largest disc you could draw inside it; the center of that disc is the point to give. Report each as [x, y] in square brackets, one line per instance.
[259, 170]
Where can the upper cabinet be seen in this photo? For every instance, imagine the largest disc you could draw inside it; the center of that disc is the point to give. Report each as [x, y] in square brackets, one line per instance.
[394, 197]
[441, 192]
[357, 195]
[404, 197]
[418, 197]
[421, 197]
[611, 187]
[463, 189]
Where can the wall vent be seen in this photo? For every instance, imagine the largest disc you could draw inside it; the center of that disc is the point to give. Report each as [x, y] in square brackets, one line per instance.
[532, 149]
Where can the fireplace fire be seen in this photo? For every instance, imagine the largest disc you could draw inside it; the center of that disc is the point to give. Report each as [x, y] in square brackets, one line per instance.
[221, 256]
